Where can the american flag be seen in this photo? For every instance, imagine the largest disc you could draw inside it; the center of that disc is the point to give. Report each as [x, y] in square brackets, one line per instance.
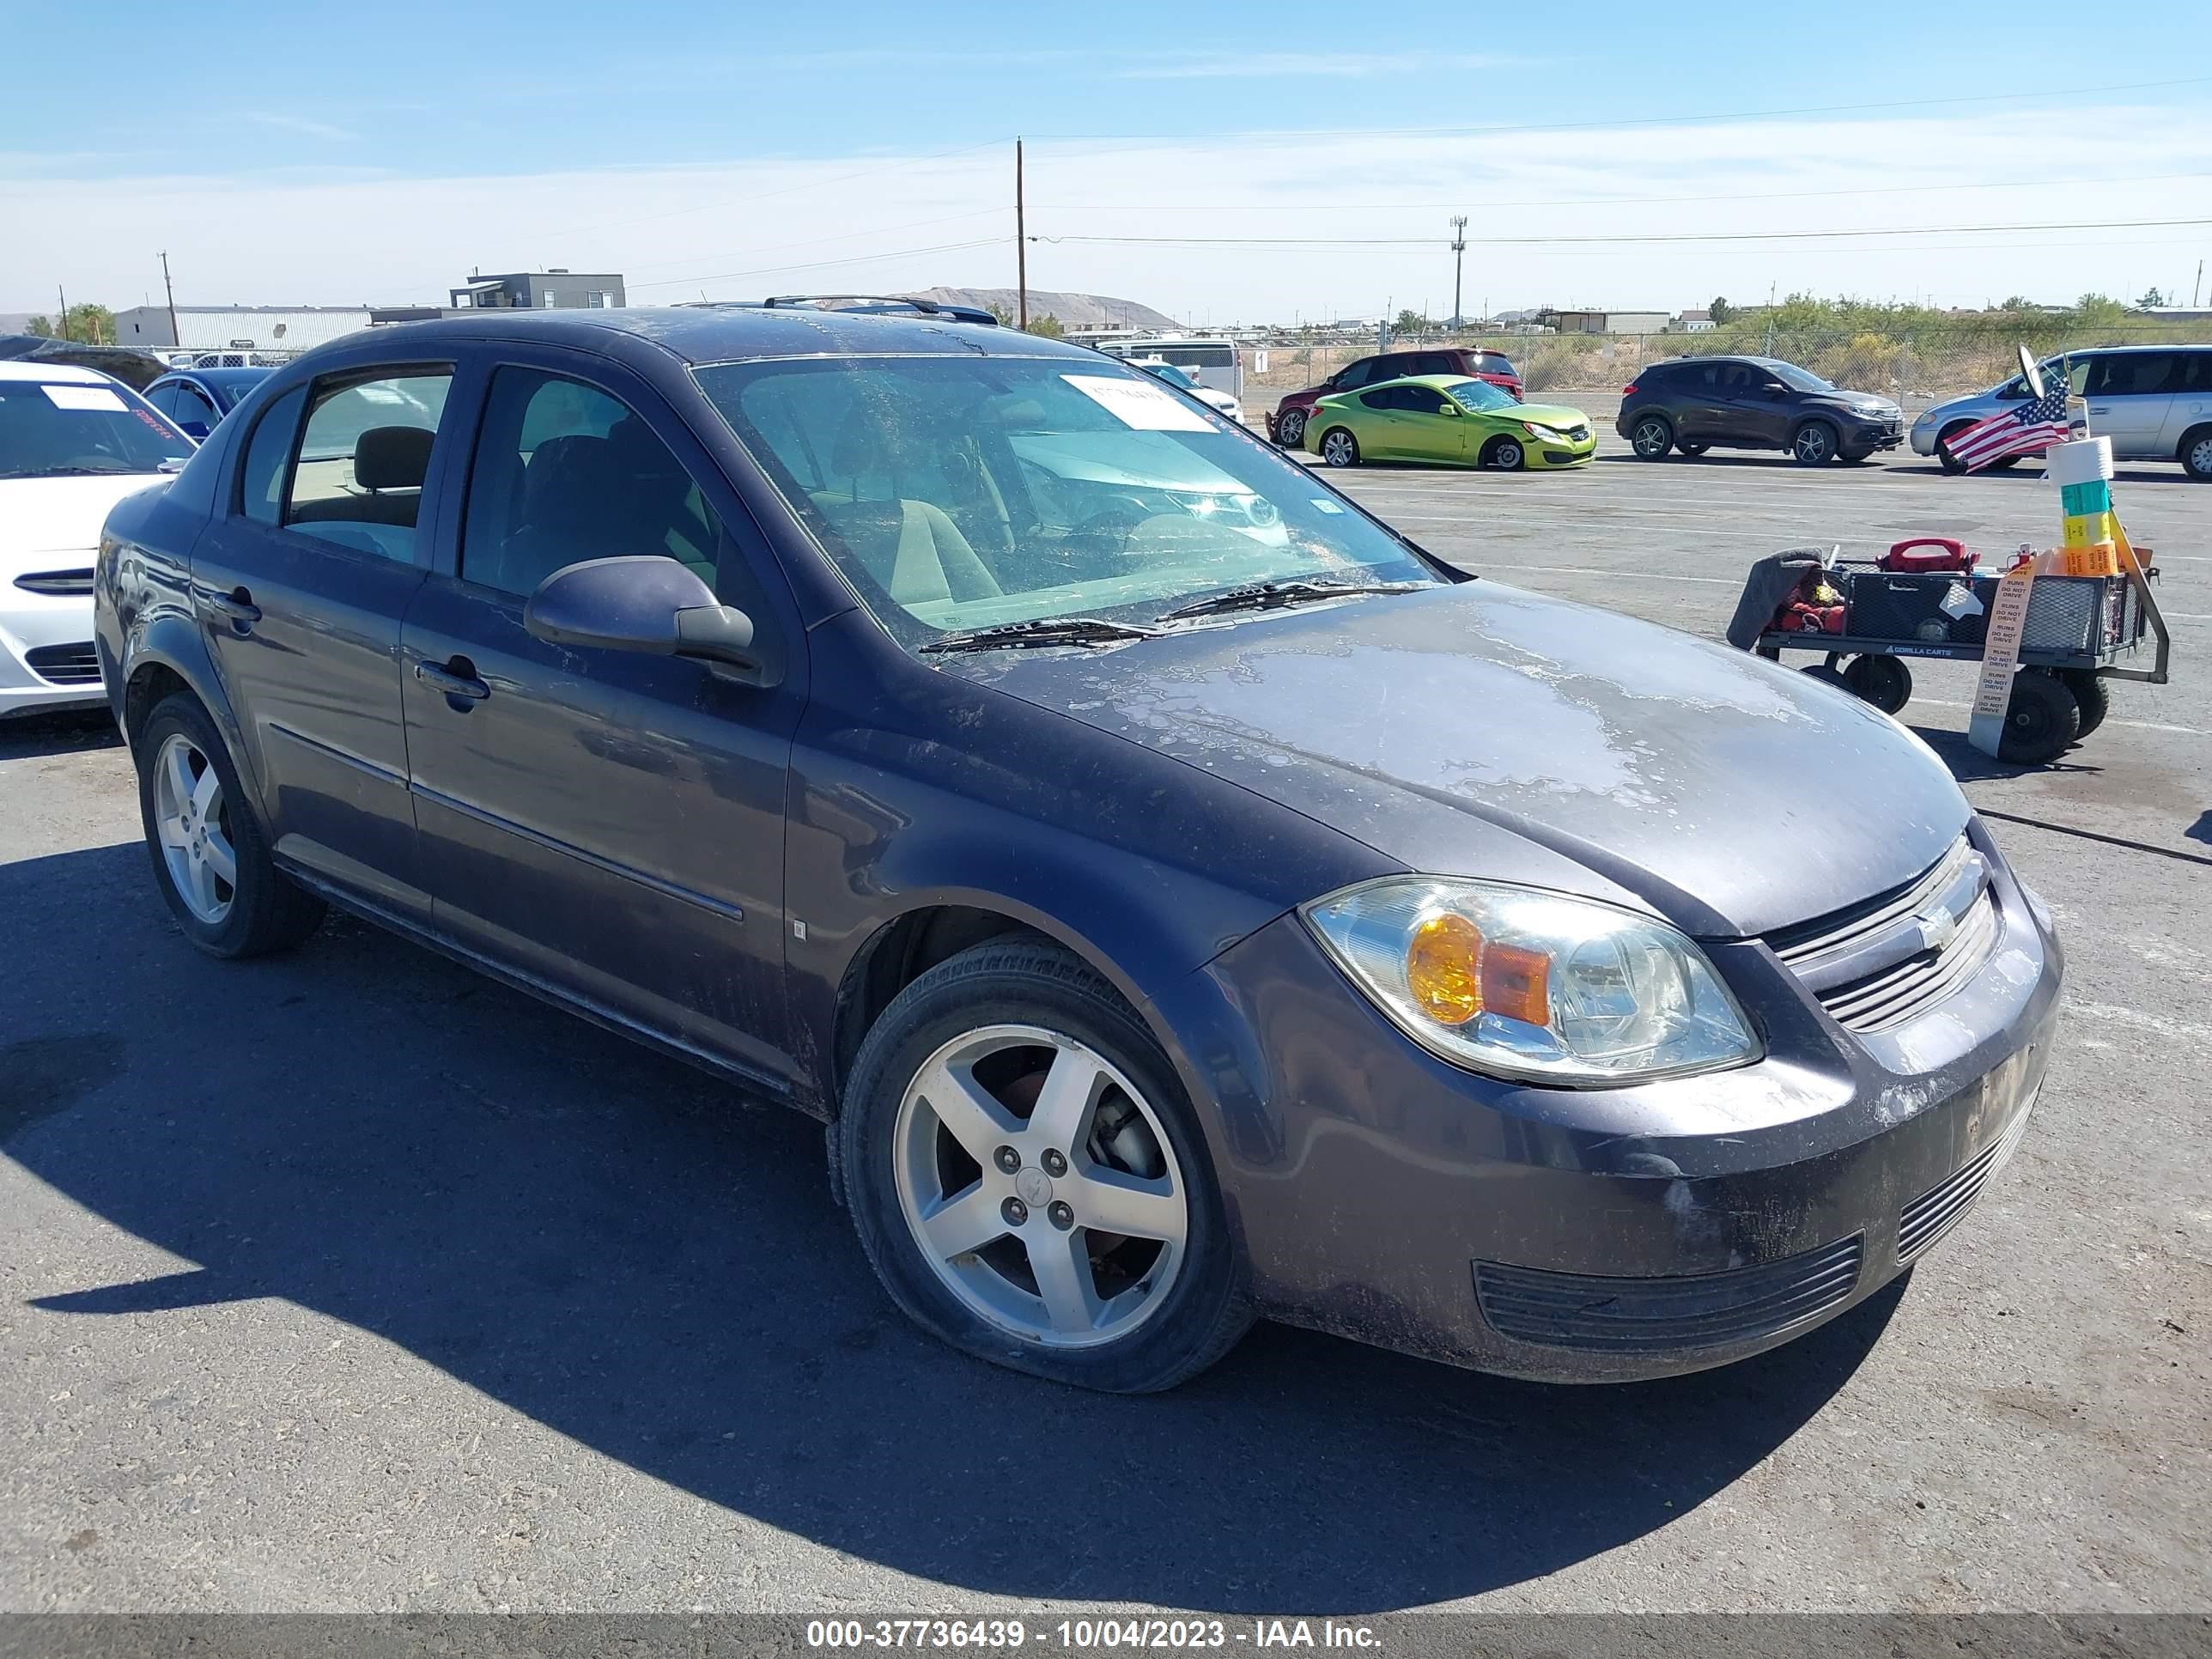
[2028, 429]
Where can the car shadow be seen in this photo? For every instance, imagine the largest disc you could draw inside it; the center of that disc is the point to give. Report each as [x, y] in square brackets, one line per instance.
[1970, 765]
[31, 737]
[629, 1254]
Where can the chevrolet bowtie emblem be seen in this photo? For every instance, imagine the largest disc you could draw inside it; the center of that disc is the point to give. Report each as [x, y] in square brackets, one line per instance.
[1936, 928]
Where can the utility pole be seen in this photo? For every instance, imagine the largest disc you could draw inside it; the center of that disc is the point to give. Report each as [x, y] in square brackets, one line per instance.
[63, 321]
[175, 339]
[1459, 254]
[1021, 248]
[1771, 288]
[2197, 287]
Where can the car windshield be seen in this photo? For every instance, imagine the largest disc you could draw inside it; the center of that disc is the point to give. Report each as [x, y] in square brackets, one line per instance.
[1480, 397]
[1169, 373]
[971, 492]
[56, 428]
[1804, 380]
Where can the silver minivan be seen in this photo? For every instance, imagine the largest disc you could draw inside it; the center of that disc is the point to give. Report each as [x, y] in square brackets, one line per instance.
[2154, 402]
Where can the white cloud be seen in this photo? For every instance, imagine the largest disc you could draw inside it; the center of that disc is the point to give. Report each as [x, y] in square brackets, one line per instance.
[338, 238]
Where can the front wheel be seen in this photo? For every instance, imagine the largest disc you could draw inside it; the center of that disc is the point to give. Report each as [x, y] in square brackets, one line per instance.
[1505, 455]
[1028, 1180]
[1291, 429]
[1814, 443]
[1949, 462]
[210, 861]
[1651, 437]
[1338, 447]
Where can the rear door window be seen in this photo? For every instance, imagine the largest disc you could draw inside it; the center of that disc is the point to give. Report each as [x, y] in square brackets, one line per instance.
[362, 458]
[1422, 399]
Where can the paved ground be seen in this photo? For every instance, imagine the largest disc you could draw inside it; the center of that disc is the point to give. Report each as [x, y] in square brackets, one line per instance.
[350, 1281]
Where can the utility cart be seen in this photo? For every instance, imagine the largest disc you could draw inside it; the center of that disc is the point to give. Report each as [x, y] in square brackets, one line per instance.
[2078, 631]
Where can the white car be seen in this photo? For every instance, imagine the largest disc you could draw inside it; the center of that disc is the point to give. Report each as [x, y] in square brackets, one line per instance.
[73, 442]
[1220, 402]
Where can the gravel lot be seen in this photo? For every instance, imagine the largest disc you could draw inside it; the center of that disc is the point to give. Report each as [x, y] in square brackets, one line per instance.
[350, 1281]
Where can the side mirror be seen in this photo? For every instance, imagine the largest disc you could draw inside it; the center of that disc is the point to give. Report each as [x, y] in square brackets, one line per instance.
[1775, 389]
[650, 603]
[1450, 409]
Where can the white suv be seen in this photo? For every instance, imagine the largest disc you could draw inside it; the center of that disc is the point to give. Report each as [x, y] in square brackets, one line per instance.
[73, 442]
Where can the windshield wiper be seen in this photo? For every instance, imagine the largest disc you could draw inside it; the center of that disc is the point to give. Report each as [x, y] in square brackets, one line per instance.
[1054, 630]
[1274, 596]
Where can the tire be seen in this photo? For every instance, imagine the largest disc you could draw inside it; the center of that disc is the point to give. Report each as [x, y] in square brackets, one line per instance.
[2003, 463]
[2092, 692]
[1813, 444]
[1693, 450]
[1827, 676]
[195, 828]
[1651, 437]
[1949, 462]
[2195, 453]
[1338, 447]
[1885, 681]
[2041, 721]
[1291, 429]
[1505, 455]
[1005, 1015]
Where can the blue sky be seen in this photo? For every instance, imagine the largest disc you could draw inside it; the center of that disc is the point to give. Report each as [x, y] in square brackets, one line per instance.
[282, 154]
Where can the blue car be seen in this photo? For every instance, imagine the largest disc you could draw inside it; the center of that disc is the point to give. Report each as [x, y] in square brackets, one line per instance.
[196, 399]
[1182, 898]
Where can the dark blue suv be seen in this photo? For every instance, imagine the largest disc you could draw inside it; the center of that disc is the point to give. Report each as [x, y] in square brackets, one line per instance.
[1183, 898]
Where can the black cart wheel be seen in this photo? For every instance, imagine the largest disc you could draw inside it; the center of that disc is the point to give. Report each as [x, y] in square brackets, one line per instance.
[1882, 681]
[1828, 674]
[2091, 693]
[2041, 720]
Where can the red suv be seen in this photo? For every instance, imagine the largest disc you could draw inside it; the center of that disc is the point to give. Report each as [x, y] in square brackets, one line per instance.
[1287, 424]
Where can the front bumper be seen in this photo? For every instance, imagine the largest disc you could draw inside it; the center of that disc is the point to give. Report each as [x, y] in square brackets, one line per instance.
[1874, 435]
[45, 645]
[1606, 1235]
[1556, 452]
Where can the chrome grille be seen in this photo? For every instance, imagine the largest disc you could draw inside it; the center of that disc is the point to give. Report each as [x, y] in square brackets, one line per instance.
[56, 583]
[1878, 964]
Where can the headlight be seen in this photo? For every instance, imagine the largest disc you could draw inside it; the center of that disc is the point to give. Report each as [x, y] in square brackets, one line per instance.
[1536, 431]
[1520, 983]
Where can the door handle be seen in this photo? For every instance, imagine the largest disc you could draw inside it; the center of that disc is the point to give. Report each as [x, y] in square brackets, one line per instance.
[2101, 408]
[237, 604]
[457, 679]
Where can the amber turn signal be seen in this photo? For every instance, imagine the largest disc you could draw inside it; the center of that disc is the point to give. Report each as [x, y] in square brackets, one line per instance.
[1454, 974]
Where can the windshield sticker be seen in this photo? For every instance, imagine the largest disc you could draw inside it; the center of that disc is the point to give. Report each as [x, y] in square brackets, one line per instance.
[1140, 406]
[83, 397]
[1325, 505]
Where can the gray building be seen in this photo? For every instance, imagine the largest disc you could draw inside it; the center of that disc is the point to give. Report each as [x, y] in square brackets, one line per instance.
[540, 290]
[267, 329]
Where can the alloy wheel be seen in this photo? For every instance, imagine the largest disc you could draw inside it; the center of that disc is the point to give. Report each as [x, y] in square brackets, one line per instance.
[1651, 439]
[1338, 449]
[1813, 446]
[1291, 431]
[193, 820]
[1040, 1186]
[1505, 455]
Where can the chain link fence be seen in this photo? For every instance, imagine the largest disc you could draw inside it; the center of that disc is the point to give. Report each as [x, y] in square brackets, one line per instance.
[1915, 365]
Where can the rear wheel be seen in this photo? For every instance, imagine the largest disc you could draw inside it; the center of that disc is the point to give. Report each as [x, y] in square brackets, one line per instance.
[2197, 454]
[1882, 681]
[1651, 437]
[1827, 674]
[1290, 428]
[1028, 1179]
[210, 861]
[1814, 443]
[2041, 721]
[1504, 454]
[1338, 447]
[2091, 693]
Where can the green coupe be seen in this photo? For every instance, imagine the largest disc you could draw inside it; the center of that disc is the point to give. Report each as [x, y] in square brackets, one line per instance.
[1447, 418]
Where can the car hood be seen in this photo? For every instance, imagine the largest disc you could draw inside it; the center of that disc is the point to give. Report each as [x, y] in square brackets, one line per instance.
[1462, 730]
[1542, 414]
[62, 515]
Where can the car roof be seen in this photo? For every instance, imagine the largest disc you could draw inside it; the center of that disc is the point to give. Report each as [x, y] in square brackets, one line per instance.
[725, 334]
[232, 378]
[34, 369]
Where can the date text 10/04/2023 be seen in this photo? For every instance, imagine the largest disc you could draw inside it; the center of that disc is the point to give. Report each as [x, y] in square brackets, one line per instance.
[1087, 1634]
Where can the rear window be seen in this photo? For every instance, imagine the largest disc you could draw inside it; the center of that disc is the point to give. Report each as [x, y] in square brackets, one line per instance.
[1497, 363]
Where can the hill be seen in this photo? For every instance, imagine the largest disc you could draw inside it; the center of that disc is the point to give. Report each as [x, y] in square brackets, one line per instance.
[1070, 308]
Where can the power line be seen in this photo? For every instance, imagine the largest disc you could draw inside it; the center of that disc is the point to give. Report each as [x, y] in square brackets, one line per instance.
[780, 247]
[824, 264]
[1297, 134]
[1661, 237]
[1488, 205]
